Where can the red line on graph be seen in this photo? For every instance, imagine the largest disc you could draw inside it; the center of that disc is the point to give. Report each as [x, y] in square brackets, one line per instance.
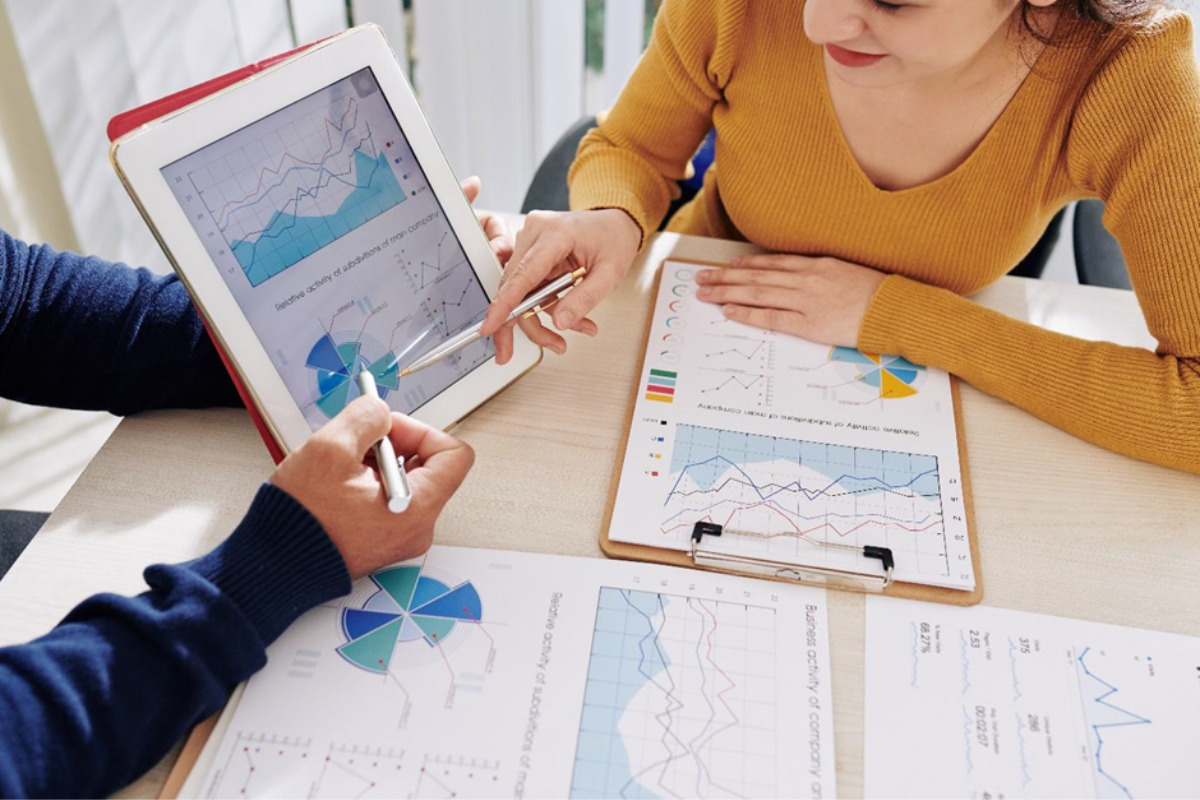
[328, 137]
[250, 774]
[453, 677]
[733, 379]
[479, 623]
[797, 528]
[407, 698]
[746, 356]
[720, 696]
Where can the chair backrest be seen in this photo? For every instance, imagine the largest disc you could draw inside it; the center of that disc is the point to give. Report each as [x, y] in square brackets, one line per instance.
[1098, 257]
[548, 189]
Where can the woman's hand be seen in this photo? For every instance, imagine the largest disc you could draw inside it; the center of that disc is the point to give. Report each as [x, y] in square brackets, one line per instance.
[551, 244]
[819, 299]
[493, 225]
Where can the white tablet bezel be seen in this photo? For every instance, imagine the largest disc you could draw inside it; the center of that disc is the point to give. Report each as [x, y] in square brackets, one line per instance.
[140, 156]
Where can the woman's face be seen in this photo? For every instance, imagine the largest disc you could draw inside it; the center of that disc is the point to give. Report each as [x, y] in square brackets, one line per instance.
[877, 43]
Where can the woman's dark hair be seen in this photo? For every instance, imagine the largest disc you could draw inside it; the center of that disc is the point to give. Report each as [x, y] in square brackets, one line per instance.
[1120, 15]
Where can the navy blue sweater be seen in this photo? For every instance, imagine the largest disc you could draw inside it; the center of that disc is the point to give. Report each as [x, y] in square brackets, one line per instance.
[93, 704]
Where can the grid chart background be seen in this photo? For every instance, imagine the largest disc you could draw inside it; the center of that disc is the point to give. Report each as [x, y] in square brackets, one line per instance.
[680, 699]
[833, 493]
[318, 162]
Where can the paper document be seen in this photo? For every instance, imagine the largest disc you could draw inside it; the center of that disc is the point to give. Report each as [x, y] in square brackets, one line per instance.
[479, 673]
[987, 703]
[767, 433]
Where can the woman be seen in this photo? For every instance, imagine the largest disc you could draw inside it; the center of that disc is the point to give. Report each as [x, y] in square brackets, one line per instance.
[912, 152]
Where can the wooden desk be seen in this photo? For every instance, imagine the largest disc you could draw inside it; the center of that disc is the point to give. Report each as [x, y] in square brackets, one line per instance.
[1065, 528]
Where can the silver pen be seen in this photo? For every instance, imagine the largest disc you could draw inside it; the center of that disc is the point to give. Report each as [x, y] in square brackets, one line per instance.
[391, 467]
[529, 306]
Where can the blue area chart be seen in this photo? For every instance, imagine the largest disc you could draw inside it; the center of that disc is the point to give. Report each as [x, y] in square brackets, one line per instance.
[807, 487]
[289, 237]
[665, 703]
[335, 366]
[409, 609]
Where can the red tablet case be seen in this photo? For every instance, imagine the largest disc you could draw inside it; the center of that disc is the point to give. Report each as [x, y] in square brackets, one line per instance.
[127, 121]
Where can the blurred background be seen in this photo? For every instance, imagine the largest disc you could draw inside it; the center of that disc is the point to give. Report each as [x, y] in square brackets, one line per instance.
[501, 80]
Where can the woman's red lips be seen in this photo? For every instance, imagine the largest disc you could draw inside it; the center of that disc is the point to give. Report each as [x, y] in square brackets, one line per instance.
[851, 58]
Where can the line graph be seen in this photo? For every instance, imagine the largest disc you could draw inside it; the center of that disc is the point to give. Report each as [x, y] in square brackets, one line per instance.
[738, 385]
[446, 308]
[334, 132]
[456, 776]
[293, 183]
[421, 271]
[739, 351]
[679, 700]
[258, 762]
[769, 484]
[1103, 718]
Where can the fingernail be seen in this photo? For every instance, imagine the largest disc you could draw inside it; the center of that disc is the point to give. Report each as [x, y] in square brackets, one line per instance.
[559, 348]
[704, 291]
[564, 320]
[729, 310]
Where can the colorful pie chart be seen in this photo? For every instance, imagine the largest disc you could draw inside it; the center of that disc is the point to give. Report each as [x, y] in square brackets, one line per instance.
[891, 377]
[410, 609]
[336, 364]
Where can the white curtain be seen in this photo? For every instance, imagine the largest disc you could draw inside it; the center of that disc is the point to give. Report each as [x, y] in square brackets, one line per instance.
[87, 61]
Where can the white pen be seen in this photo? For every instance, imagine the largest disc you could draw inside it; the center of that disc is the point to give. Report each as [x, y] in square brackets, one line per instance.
[391, 467]
[528, 307]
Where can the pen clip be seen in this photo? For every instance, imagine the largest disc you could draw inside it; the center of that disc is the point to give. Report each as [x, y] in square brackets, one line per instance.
[541, 307]
[399, 501]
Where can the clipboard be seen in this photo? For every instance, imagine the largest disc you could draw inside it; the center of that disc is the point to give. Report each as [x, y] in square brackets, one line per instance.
[780, 571]
[134, 118]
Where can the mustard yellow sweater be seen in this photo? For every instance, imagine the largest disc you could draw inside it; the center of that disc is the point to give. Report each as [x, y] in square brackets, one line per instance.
[1117, 119]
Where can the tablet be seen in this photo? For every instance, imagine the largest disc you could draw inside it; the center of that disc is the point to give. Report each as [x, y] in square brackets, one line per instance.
[320, 231]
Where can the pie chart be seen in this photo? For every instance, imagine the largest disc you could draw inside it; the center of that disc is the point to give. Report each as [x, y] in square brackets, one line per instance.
[336, 364]
[888, 377]
[410, 609]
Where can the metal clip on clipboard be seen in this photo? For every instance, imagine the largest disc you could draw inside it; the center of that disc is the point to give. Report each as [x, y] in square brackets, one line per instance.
[702, 556]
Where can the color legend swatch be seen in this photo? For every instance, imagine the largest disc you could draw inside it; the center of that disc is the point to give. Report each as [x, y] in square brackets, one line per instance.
[661, 386]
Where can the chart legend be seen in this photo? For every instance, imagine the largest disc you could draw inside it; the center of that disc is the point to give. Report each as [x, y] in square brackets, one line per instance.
[660, 386]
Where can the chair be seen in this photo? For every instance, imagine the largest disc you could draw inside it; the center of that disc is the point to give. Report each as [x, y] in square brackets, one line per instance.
[17, 529]
[1098, 259]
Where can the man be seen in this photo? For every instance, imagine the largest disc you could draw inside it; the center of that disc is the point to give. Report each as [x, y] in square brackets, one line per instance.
[87, 708]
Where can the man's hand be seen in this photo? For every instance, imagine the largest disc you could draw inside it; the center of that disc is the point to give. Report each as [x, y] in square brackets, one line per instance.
[819, 299]
[330, 475]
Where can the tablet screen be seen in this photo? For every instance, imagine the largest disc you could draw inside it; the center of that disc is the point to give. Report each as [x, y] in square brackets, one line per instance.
[322, 224]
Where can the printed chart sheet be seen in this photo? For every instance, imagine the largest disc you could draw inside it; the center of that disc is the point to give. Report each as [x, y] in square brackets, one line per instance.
[479, 673]
[983, 702]
[773, 435]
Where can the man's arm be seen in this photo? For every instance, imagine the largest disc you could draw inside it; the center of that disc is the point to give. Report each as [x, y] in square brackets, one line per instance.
[81, 332]
[99, 700]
